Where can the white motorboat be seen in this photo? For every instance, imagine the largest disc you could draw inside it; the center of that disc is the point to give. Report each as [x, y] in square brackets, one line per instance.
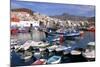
[91, 43]
[75, 52]
[14, 44]
[42, 49]
[39, 44]
[68, 32]
[54, 60]
[33, 44]
[89, 52]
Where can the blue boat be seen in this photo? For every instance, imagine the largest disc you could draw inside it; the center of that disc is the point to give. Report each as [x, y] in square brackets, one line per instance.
[65, 33]
[54, 60]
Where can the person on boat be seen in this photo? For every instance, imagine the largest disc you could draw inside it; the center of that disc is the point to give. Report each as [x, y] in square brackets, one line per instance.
[31, 31]
[47, 52]
[61, 39]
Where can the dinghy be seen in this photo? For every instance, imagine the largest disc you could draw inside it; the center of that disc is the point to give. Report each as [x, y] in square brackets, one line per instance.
[39, 62]
[54, 60]
[75, 52]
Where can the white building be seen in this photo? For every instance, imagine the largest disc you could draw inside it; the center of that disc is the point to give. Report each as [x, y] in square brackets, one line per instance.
[25, 23]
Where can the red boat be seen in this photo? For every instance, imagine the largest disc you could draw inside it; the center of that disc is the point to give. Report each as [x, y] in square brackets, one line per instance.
[14, 31]
[91, 29]
[39, 62]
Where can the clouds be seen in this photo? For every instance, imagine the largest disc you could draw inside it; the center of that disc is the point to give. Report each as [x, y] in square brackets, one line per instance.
[56, 9]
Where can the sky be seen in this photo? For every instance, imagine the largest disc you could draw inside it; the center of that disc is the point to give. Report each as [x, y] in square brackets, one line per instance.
[52, 9]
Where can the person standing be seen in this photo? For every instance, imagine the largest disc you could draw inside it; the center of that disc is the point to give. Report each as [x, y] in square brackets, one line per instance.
[61, 40]
[31, 31]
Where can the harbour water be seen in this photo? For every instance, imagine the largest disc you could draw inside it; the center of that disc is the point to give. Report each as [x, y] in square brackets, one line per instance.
[80, 41]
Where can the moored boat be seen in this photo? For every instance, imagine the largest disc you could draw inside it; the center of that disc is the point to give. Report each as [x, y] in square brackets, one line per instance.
[39, 62]
[89, 52]
[75, 52]
[91, 29]
[68, 32]
[39, 44]
[26, 45]
[37, 55]
[54, 60]
[52, 48]
[61, 48]
[26, 55]
[13, 42]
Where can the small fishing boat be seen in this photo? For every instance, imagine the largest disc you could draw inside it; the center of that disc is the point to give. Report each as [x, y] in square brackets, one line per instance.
[26, 56]
[89, 55]
[67, 32]
[37, 55]
[56, 39]
[42, 49]
[52, 48]
[67, 51]
[16, 47]
[26, 45]
[89, 52]
[61, 48]
[39, 62]
[54, 60]
[13, 42]
[73, 34]
[53, 38]
[91, 29]
[39, 44]
[75, 52]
